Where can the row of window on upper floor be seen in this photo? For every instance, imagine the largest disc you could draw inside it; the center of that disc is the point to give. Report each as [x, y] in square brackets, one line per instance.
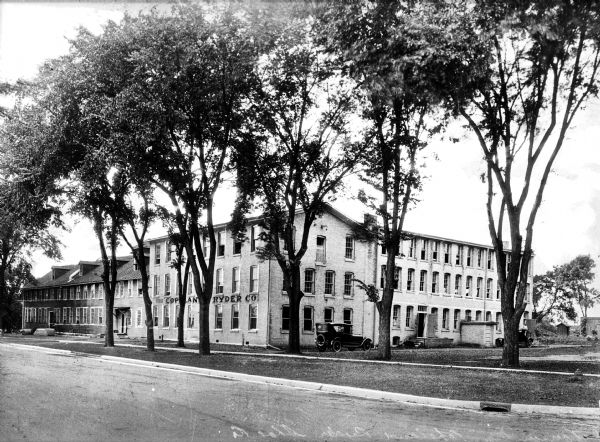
[447, 288]
[320, 244]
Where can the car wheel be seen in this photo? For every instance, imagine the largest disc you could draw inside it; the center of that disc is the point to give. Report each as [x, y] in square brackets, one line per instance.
[367, 345]
[321, 342]
[336, 346]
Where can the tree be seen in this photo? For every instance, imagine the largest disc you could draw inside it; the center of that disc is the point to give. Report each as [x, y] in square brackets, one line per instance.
[543, 59]
[552, 297]
[579, 276]
[304, 149]
[397, 52]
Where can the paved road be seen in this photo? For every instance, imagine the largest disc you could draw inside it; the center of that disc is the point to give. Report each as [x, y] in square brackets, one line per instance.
[46, 397]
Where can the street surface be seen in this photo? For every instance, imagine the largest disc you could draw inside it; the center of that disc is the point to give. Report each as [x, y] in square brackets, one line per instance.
[57, 397]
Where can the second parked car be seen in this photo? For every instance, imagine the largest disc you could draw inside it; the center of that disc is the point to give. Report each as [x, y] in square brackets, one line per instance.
[338, 335]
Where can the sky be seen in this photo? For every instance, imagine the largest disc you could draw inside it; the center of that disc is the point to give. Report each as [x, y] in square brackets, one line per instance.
[453, 197]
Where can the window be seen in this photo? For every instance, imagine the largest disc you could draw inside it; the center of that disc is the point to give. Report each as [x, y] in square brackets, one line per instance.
[155, 315]
[85, 317]
[498, 322]
[409, 314]
[434, 282]
[156, 254]
[177, 309]
[490, 259]
[397, 272]
[446, 253]
[456, 319]
[447, 283]
[220, 281]
[191, 319]
[221, 244]
[409, 279]
[459, 255]
[480, 258]
[77, 315]
[307, 323]
[253, 279]
[467, 315]
[382, 279]
[218, 316]
[235, 316]
[155, 285]
[488, 289]
[423, 281]
[348, 316]
[252, 316]
[469, 256]
[434, 317]
[93, 315]
[237, 246]
[434, 250]
[478, 315]
[348, 284]
[424, 246]
[478, 289]
[328, 314]
[469, 285]
[138, 317]
[321, 256]
[78, 292]
[329, 282]
[349, 250]
[285, 317]
[498, 291]
[446, 319]
[166, 319]
[101, 291]
[167, 285]
[488, 316]
[411, 248]
[458, 285]
[85, 293]
[235, 280]
[309, 281]
[66, 315]
[396, 316]
[253, 239]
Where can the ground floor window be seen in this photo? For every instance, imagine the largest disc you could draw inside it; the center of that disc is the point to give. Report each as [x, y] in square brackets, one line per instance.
[190, 318]
[396, 316]
[285, 317]
[456, 318]
[446, 319]
[155, 315]
[488, 316]
[176, 323]
[235, 316]
[498, 322]
[219, 316]
[478, 315]
[308, 318]
[252, 317]
[328, 314]
[409, 314]
[138, 317]
[348, 316]
[467, 315]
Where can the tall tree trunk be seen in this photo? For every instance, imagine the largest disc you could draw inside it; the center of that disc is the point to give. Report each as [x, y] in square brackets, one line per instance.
[146, 297]
[182, 284]
[204, 328]
[109, 303]
[510, 351]
[295, 296]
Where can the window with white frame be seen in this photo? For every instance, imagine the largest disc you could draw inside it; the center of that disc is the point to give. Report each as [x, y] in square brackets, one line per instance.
[167, 285]
[489, 288]
[166, 319]
[219, 316]
[85, 317]
[490, 259]
[253, 279]
[176, 319]
[397, 278]
[66, 315]
[424, 247]
[348, 314]
[480, 258]
[307, 316]
[191, 318]
[435, 280]
[130, 288]
[100, 291]
[349, 249]
[156, 285]
[469, 286]
[410, 280]
[435, 245]
[235, 316]
[348, 284]
[78, 292]
[478, 288]
[235, 280]
[456, 319]
[446, 253]
[309, 281]
[468, 315]
[237, 246]
[446, 319]
[488, 316]
[434, 317]
[459, 255]
[155, 315]
[321, 252]
[219, 281]
[221, 243]
[77, 315]
[253, 239]
[447, 283]
[498, 322]
[469, 256]
[285, 317]
[156, 254]
[478, 315]
[329, 282]
[138, 317]
[411, 248]
[409, 316]
[423, 281]
[396, 316]
[328, 314]
[458, 285]
[252, 316]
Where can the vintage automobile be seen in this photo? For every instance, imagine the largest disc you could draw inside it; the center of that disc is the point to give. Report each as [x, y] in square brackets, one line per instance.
[338, 335]
[525, 339]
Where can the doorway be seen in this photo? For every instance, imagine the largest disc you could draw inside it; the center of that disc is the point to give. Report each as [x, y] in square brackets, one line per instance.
[421, 325]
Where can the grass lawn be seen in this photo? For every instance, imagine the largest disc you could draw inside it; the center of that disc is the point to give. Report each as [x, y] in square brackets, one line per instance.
[451, 383]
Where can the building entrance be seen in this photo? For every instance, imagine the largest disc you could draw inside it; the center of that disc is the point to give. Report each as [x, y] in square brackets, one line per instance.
[421, 325]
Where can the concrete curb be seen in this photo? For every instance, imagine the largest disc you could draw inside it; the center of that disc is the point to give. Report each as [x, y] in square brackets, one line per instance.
[335, 389]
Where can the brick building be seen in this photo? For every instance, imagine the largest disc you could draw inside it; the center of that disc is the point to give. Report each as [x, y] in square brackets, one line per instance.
[440, 283]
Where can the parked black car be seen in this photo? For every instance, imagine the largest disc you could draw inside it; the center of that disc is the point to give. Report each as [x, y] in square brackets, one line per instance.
[338, 335]
[525, 339]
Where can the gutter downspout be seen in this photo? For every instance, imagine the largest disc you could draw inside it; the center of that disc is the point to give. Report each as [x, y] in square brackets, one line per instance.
[268, 331]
